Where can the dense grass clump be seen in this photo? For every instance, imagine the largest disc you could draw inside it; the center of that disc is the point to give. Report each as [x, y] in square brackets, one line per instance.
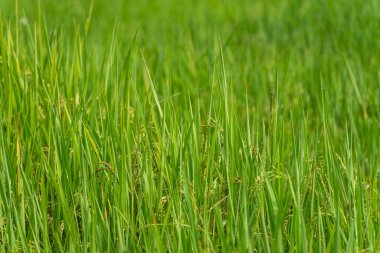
[189, 126]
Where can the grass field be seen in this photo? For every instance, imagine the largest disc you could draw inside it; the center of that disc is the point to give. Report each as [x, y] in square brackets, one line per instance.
[189, 126]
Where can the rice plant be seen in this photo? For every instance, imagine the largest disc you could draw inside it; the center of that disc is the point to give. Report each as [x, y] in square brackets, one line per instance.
[189, 126]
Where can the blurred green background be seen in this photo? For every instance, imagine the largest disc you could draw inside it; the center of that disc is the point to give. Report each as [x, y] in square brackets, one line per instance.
[305, 45]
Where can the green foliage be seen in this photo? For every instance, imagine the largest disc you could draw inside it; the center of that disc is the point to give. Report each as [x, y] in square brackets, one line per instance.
[189, 126]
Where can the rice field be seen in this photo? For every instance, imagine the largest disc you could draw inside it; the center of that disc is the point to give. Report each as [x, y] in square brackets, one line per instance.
[189, 126]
